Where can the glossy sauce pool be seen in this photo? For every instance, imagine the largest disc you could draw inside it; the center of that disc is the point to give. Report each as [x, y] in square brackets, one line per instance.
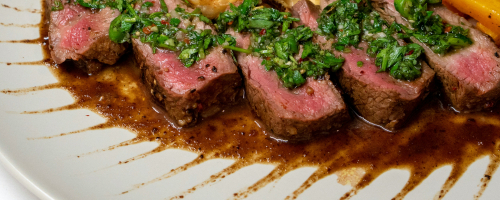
[433, 137]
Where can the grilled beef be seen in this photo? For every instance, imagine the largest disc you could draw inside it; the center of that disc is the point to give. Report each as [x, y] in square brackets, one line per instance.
[297, 114]
[377, 97]
[81, 34]
[186, 93]
[470, 76]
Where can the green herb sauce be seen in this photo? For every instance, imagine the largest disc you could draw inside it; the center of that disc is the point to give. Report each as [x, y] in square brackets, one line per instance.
[161, 30]
[429, 28]
[278, 44]
[350, 21]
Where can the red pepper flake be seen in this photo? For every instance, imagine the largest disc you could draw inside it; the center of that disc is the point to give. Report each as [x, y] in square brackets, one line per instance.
[186, 40]
[341, 30]
[447, 29]
[146, 30]
[153, 25]
[454, 88]
[410, 52]
[268, 58]
[300, 60]
[285, 16]
[262, 32]
[164, 22]
[230, 23]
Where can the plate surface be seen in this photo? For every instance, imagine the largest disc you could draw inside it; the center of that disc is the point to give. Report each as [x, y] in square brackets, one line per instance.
[69, 168]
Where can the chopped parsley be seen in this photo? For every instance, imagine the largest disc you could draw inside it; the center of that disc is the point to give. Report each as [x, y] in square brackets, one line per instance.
[429, 28]
[161, 30]
[401, 61]
[350, 21]
[95, 4]
[58, 5]
[279, 45]
[341, 19]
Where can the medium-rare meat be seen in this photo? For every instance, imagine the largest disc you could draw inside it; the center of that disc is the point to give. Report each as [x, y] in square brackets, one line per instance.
[470, 76]
[296, 114]
[81, 34]
[378, 97]
[187, 93]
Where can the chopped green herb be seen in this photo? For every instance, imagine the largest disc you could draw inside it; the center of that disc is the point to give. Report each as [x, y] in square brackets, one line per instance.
[249, 18]
[147, 4]
[342, 20]
[349, 20]
[195, 13]
[429, 28]
[58, 5]
[175, 22]
[163, 6]
[160, 30]
[278, 45]
[95, 4]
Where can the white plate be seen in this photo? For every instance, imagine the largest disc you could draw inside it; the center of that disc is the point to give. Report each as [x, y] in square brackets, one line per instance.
[51, 169]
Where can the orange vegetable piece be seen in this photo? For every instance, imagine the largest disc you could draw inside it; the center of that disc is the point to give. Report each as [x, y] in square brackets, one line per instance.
[485, 11]
[453, 9]
[484, 29]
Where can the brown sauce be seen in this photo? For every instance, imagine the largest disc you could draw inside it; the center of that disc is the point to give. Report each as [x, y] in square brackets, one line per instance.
[22, 10]
[433, 137]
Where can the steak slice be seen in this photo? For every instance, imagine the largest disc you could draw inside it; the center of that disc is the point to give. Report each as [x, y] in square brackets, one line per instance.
[470, 76]
[187, 93]
[297, 114]
[81, 34]
[378, 97]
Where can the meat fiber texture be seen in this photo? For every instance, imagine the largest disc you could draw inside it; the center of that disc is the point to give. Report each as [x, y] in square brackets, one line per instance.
[188, 93]
[470, 76]
[378, 97]
[294, 115]
[81, 34]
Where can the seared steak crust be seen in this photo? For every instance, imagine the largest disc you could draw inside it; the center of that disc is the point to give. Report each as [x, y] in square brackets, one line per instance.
[188, 93]
[383, 106]
[294, 128]
[186, 106]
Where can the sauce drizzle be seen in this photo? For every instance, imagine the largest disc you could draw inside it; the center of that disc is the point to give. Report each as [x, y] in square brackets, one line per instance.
[434, 136]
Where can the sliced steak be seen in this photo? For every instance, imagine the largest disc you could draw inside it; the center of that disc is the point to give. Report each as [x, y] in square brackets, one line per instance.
[81, 34]
[187, 93]
[297, 114]
[378, 97]
[470, 76]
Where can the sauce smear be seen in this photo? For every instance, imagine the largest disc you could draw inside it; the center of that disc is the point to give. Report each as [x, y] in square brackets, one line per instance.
[433, 137]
